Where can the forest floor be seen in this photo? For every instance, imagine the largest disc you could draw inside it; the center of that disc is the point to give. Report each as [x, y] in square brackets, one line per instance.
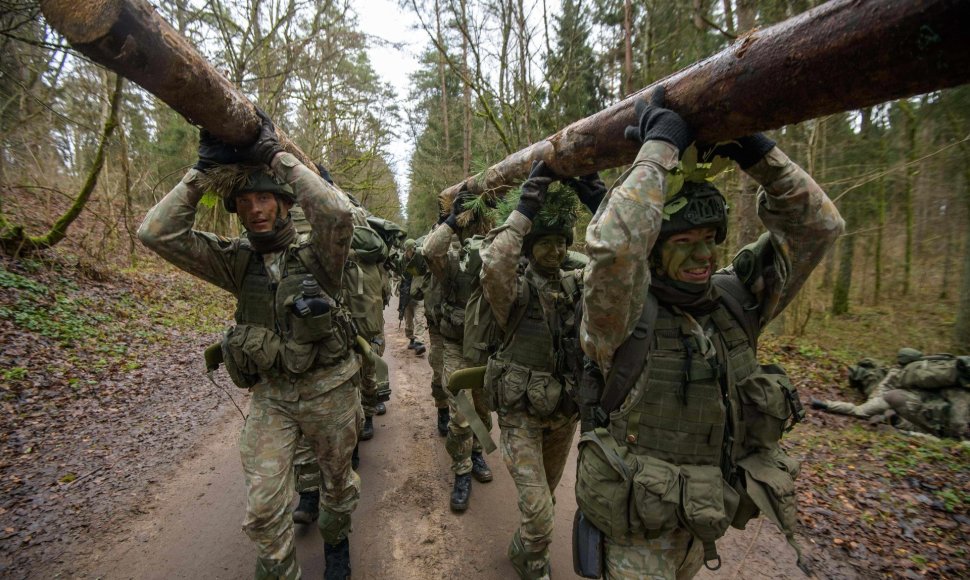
[118, 456]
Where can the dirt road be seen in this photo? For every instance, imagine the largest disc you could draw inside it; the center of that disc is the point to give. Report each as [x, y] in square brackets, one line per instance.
[402, 528]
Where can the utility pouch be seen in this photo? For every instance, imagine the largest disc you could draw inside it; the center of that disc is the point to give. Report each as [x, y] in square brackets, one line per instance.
[512, 387]
[656, 496]
[544, 392]
[603, 482]
[708, 505]
[297, 358]
[770, 406]
[770, 484]
[587, 547]
[248, 350]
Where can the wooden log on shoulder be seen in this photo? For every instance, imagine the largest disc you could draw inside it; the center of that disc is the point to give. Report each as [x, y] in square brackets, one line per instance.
[840, 56]
[132, 39]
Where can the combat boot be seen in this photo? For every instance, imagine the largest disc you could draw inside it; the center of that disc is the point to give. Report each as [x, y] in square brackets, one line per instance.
[444, 417]
[367, 433]
[355, 458]
[820, 405]
[337, 557]
[528, 565]
[461, 492]
[412, 343]
[380, 409]
[417, 346]
[308, 510]
[479, 468]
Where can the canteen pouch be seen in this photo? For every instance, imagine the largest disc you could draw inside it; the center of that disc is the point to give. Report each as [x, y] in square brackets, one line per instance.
[309, 329]
[603, 482]
[656, 496]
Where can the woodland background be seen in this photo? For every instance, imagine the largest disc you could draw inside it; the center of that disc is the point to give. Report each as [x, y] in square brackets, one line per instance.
[99, 340]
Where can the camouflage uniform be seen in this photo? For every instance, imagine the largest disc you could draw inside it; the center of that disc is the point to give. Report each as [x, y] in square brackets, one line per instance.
[942, 412]
[802, 223]
[432, 296]
[534, 447]
[322, 403]
[875, 403]
[461, 442]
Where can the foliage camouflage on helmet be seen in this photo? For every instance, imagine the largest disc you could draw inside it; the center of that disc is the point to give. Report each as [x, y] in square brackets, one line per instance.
[692, 200]
[227, 181]
[558, 214]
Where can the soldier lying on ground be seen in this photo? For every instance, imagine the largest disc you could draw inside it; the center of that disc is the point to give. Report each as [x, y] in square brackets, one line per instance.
[861, 376]
[693, 420]
[291, 345]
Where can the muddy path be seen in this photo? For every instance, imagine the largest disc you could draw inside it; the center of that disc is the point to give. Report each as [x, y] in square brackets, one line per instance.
[403, 527]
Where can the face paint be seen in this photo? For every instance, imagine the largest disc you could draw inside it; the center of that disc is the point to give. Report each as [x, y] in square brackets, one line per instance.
[689, 256]
[548, 253]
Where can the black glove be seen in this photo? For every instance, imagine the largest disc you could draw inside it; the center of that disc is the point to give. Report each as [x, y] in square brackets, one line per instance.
[590, 189]
[745, 151]
[457, 207]
[266, 145]
[213, 152]
[660, 124]
[534, 189]
[324, 173]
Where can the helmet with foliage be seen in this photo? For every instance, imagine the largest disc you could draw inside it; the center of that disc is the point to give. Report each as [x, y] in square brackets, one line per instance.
[698, 204]
[228, 181]
[556, 217]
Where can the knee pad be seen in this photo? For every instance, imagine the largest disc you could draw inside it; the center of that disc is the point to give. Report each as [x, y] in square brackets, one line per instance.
[334, 527]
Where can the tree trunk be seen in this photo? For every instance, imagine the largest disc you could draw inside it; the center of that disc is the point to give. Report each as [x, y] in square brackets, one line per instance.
[15, 240]
[961, 331]
[845, 54]
[627, 50]
[131, 38]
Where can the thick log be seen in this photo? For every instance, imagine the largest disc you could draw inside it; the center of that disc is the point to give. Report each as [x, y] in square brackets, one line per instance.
[130, 38]
[840, 56]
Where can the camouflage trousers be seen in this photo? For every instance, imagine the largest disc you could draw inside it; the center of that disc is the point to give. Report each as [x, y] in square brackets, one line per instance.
[409, 320]
[368, 377]
[874, 405]
[435, 357]
[267, 446]
[461, 442]
[535, 452]
[675, 555]
[942, 413]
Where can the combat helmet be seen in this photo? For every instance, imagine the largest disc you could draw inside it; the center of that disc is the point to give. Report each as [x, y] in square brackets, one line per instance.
[907, 355]
[258, 180]
[698, 204]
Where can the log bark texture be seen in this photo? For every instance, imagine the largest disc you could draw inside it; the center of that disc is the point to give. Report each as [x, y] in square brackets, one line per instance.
[132, 39]
[842, 55]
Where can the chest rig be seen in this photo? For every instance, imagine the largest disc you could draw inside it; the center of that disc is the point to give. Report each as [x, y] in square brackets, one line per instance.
[685, 408]
[456, 289]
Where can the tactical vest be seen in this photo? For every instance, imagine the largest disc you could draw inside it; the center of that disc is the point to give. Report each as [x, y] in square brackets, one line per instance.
[456, 289]
[363, 288]
[530, 369]
[270, 338]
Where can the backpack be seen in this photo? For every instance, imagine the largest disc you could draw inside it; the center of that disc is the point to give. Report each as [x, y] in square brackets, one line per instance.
[938, 371]
[481, 334]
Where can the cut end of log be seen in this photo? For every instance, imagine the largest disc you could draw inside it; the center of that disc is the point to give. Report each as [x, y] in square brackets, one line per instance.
[81, 22]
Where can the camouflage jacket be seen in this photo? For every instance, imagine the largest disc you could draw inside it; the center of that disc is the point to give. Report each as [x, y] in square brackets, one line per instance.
[167, 230]
[436, 247]
[802, 222]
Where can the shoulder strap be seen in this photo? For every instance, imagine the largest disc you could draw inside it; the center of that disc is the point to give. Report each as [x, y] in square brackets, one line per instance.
[519, 309]
[741, 303]
[629, 359]
[244, 254]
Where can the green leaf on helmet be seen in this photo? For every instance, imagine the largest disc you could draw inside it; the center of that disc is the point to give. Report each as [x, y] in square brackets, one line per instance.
[676, 205]
[210, 199]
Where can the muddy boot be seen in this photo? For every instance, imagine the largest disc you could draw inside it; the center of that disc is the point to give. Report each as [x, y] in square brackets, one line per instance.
[338, 560]
[461, 491]
[528, 565]
[479, 468]
[355, 458]
[443, 418]
[419, 348]
[412, 343]
[368, 431]
[308, 510]
[380, 409]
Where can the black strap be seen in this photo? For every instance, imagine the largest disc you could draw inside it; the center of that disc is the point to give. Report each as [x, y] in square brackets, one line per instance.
[741, 303]
[630, 357]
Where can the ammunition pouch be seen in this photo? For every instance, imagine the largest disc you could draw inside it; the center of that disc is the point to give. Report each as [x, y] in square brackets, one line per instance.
[604, 482]
[451, 324]
[511, 386]
[247, 351]
[769, 477]
[708, 505]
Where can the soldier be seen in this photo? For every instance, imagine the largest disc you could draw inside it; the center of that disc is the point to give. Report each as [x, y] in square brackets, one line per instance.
[432, 304]
[693, 420]
[528, 379]
[875, 402]
[465, 449]
[291, 345]
[406, 303]
[934, 396]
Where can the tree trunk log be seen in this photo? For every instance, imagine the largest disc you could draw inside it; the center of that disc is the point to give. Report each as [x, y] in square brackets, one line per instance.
[130, 38]
[842, 55]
